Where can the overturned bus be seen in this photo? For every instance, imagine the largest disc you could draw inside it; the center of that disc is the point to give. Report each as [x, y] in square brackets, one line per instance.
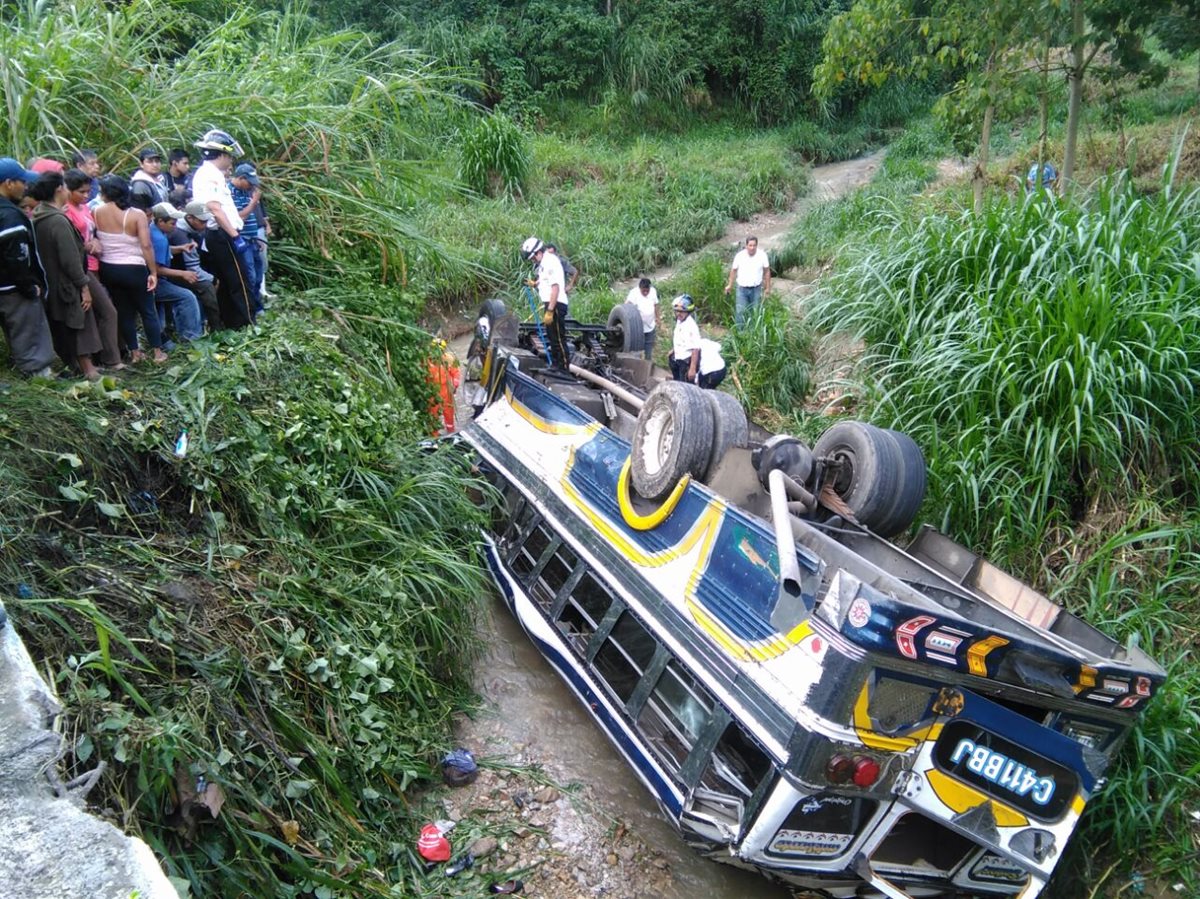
[801, 695]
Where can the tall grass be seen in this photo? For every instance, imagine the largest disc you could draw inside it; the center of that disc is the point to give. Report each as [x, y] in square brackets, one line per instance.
[1045, 355]
[616, 211]
[770, 362]
[284, 612]
[1056, 345]
[337, 124]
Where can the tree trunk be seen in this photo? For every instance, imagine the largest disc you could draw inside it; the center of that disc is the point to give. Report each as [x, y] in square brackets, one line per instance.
[1075, 102]
[1044, 106]
[979, 176]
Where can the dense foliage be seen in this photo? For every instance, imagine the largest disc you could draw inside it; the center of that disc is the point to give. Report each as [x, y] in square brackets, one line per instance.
[528, 54]
[284, 612]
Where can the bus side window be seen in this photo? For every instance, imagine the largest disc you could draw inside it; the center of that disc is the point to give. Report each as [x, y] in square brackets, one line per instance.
[738, 765]
[520, 518]
[625, 655]
[674, 715]
[583, 612]
[526, 556]
[553, 575]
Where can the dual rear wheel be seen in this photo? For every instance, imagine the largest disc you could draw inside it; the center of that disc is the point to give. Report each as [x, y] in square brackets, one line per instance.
[683, 430]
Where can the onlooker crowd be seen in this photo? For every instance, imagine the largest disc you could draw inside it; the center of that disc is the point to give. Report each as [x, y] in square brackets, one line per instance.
[83, 258]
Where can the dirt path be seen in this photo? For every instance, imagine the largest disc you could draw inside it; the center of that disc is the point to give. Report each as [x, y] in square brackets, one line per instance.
[829, 182]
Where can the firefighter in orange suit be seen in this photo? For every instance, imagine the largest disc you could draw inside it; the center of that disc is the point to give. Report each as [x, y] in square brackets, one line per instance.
[443, 378]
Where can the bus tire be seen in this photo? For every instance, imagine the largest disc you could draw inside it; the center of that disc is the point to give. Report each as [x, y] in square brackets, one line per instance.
[625, 321]
[731, 427]
[869, 472]
[502, 324]
[673, 438]
[910, 491]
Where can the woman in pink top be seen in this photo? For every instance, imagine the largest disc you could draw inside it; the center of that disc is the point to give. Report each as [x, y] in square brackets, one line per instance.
[80, 186]
[127, 266]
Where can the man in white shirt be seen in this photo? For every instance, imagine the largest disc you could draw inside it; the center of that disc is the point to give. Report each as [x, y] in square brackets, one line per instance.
[645, 297]
[693, 358]
[210, 186]
[552, 291]
[752, 271]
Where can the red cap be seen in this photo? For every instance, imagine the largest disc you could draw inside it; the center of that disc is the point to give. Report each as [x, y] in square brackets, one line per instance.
[43, 165]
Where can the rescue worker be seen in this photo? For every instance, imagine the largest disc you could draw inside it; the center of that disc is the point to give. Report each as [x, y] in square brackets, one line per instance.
[223, 239]
[693, 358]
[552, 291]
[443, 376]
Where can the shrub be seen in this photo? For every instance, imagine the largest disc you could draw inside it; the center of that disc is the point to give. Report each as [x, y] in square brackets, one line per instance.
[494, 156]
[770, 361]
[283, 613]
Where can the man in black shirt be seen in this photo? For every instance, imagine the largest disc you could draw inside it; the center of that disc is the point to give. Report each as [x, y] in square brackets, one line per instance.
[22, 280]
[179, 175]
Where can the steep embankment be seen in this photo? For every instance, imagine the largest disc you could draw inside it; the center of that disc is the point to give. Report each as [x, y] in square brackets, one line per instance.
[264, 636]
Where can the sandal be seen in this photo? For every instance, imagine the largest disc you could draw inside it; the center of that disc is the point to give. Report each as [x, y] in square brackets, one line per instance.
[507, 888]
[136, 356]
[159, 357]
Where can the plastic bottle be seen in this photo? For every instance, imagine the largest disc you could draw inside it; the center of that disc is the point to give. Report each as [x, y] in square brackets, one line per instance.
[181, 444]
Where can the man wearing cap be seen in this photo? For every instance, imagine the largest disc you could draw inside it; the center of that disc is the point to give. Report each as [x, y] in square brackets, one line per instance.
[147, 181]
[22, 281]
[189, 238]
[171, 293]
[247, 195]
[222, 235]
[552, 291]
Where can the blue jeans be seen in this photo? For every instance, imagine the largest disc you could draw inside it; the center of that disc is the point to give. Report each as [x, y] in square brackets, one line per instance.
[250, 259]
[747, 299]
[185, 309]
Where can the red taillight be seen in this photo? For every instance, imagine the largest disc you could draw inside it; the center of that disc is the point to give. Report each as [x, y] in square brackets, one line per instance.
[866, 771]
[840, 769]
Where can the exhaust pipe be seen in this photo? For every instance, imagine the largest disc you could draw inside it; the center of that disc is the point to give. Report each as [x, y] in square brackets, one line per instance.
[789, 609]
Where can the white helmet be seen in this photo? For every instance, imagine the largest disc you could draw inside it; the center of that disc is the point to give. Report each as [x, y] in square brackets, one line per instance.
[530, 248]
[219, 141]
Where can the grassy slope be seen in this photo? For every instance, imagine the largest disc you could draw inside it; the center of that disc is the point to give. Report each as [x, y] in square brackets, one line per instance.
[267, 614]
[615, 207]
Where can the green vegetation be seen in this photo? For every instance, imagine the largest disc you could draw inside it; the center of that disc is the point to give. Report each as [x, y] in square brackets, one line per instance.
[615, 210]
[338, 122]
[271, 611]
[527, 55]
[268, 614]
